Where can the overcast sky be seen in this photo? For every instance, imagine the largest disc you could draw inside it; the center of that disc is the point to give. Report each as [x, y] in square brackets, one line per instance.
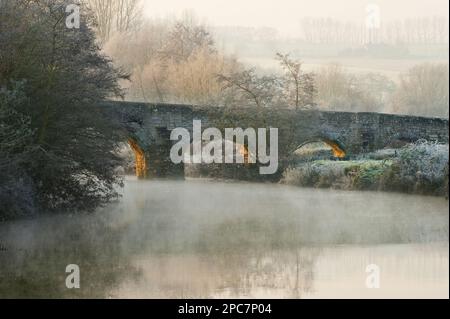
[284, 15]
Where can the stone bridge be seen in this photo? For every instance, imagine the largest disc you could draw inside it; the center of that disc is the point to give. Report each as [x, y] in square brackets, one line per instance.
[148, 126]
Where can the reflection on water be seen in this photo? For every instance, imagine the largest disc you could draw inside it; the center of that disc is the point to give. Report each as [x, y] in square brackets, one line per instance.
[233, 240]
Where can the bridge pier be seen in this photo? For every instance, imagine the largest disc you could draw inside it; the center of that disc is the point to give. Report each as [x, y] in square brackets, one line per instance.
[159, 164]
[157, 154]
[154, 161]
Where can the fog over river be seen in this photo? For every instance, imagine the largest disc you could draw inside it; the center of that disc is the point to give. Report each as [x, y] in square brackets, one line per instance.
[198, 238]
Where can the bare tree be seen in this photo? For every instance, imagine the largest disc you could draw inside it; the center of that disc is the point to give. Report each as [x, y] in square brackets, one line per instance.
[302, 83]
[184, 39]
[114, 15]
[423, 91]
[260, 90]
[292, 69]
[127, 14]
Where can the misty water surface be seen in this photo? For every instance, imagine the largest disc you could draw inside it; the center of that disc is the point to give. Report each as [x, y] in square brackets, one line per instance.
[207, 239]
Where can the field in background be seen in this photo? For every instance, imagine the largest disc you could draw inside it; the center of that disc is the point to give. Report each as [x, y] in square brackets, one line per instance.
[391, 68]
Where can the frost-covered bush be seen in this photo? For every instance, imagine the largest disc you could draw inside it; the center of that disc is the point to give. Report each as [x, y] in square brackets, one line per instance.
[421, 167]
[362, 174]
[316, 174]
[367, 175]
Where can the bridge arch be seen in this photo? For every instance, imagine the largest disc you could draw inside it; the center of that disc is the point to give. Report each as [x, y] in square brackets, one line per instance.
[336, 147]
[241, 149]
[141, 164]
[246, 170]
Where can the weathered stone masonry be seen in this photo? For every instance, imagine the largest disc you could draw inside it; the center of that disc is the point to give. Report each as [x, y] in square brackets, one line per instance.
[149, 126]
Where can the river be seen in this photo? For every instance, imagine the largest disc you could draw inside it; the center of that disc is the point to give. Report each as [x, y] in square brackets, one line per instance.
[204, 239]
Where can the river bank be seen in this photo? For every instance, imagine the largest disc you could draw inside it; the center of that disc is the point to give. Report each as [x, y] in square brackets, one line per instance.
[420, 168]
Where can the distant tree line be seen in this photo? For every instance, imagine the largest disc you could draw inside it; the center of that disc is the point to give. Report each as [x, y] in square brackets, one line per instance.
[421, 30]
